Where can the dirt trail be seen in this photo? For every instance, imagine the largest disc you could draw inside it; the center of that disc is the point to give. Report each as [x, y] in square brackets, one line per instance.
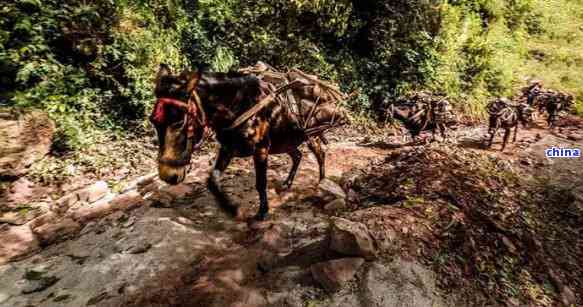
[189, 253]
[161, 255]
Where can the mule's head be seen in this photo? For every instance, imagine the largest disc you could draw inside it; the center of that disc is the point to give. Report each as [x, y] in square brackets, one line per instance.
[568, 101]
[179, 121]
[442, 107]
[444, 110]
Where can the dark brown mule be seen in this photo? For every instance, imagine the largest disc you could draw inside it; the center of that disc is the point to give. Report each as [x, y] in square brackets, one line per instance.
[417, 118]
[190, 102]
[505, 115]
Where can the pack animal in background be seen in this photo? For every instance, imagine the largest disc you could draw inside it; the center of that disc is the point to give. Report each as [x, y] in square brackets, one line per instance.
[551, 101]
[505, 115]
[443, 117]
[422, 111]
[555, 103]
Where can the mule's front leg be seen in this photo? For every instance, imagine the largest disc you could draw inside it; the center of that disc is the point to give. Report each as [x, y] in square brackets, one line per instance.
[260, 160]
[492, 131]
[214, 185]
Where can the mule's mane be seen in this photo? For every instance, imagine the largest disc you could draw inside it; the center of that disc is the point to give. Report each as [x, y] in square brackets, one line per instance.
[223, 75]
[214, 80]
[236, 87]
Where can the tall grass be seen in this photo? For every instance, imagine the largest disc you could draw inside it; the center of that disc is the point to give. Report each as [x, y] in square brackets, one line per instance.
[479, 51]
[555, 56]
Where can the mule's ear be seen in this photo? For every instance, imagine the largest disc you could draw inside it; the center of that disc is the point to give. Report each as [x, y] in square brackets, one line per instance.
[163, 70]
[183, 76]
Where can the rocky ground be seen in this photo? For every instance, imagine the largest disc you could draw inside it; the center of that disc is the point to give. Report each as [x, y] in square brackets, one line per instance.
[435, 225]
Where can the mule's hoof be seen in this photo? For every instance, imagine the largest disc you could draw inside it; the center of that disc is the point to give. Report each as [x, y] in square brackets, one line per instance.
[234, 211]
[229, 208]
[261, 216]
[286, 186]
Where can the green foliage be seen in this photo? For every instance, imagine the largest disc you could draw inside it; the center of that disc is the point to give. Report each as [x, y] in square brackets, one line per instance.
[480, 48]
[91, 63]
[555, 53]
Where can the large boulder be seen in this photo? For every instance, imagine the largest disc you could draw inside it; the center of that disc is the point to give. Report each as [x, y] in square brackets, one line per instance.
[351, 239]
[330, 190]
[298, 239]
[24, 140]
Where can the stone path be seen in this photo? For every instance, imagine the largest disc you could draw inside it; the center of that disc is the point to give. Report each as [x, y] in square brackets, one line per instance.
[158, 245]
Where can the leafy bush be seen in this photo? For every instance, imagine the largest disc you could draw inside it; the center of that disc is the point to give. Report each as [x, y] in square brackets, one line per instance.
[91, 63]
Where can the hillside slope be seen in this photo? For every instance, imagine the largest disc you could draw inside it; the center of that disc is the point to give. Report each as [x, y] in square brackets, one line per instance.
[451, 226]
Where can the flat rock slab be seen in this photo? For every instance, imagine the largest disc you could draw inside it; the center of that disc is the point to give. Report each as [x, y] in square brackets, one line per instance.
[333, 274]
[17, 242]
[107, 265]
[189, 254]
[399, 283]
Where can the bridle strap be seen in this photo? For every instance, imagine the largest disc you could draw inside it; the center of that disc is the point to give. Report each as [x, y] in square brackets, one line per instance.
[198, 103]
[194, 101]
[174, 102]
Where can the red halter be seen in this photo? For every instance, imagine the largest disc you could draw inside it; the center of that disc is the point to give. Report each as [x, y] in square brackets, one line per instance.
[193, 109]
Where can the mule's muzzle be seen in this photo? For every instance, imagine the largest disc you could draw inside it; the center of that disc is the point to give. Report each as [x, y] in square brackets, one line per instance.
[172, 174]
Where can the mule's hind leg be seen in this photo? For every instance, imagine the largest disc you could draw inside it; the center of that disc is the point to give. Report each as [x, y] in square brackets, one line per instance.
[443, 131]
[316, 147]
[260, 160]
[214, 185]
[515, 133]
[507, 132]
[296, 156]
